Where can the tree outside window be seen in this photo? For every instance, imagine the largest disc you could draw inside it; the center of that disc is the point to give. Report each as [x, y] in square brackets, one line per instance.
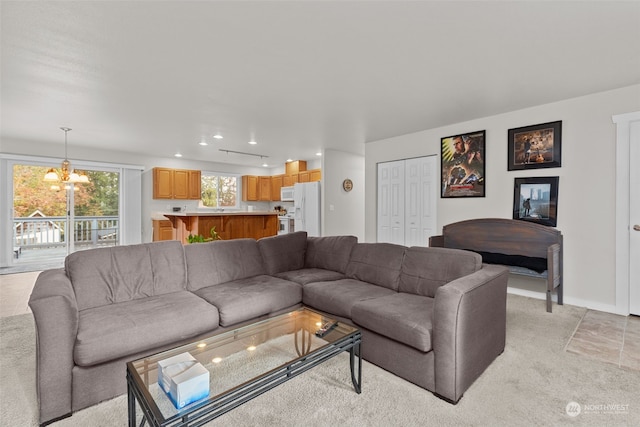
[219, 191]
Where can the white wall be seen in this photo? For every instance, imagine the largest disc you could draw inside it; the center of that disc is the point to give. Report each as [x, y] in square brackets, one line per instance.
[342, 212]
[586, 195]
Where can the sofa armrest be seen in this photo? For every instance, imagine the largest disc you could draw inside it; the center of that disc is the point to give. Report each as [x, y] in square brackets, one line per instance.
[55, 311]
[436, 241]
[469, 328]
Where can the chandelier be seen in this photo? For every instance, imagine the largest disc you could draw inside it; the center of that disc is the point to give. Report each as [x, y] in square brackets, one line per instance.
[66, 174]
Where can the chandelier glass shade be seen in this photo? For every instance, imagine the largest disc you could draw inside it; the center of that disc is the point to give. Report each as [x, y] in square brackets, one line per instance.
[66, 174]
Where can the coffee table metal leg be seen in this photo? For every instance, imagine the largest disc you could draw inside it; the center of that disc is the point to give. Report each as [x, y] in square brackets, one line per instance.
[357, 383]
[131, 400]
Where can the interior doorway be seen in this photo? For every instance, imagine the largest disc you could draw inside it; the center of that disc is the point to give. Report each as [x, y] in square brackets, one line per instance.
[627, 213]
[634, 214]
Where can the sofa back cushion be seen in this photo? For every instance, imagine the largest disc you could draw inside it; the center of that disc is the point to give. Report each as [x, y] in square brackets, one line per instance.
[377, 263]
[329, 253]
[124, 273]
[424, 270]
[222, 261]
[284, 252]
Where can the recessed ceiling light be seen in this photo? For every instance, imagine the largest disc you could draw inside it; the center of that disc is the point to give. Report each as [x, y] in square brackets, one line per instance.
[203, 143]
[264, 165]
[289, 160]
[319, 153]
[252, 142]
[177, 155]
[217, 136]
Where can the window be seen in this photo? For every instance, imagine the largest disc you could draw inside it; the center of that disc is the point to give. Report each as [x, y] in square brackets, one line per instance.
[219, 190]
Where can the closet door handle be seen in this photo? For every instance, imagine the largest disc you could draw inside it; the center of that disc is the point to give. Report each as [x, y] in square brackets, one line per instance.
[636, 227]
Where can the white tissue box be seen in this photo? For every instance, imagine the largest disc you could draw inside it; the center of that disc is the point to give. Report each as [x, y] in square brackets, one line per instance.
[184, 379]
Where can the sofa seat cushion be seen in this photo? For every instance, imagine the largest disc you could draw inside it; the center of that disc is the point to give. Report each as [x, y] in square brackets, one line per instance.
[402, 317]
[245, 299]
[339, 296]
[117, 330]
[309, 275]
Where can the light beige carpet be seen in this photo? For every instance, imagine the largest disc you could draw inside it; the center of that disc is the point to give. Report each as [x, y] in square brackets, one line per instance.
[531, 383]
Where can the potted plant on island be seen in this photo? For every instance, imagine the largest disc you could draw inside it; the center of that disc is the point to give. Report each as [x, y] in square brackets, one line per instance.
[193, 238]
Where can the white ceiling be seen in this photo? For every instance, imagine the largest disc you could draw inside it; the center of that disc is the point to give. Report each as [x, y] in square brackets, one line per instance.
[159, 77]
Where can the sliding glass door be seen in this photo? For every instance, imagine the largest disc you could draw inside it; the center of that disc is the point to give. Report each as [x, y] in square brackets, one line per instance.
[53, 219]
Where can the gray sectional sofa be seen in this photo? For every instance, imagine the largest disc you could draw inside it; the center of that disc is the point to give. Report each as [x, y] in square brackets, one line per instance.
[433, 316]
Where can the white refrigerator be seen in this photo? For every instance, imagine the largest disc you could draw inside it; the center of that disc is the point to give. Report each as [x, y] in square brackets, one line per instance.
[306, 205]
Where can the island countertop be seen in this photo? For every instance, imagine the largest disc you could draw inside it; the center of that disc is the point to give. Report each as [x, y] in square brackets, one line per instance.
[215, 213]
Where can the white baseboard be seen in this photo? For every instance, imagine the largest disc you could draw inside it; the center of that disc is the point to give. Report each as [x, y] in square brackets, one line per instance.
[608, 308]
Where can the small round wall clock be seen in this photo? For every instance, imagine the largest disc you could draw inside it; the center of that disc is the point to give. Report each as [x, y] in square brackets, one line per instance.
[347, 185]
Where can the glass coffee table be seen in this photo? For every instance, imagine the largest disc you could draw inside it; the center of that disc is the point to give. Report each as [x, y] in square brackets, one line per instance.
[243, 363]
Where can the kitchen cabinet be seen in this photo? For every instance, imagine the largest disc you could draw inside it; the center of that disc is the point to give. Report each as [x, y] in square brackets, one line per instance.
[176, 184]
[315, 175]
[267, 188]
[303, 176]
[194, 188]
[295, 167]
[256, 188]
[264, 188]
[276, 185]
[163, 230]
[249, 188]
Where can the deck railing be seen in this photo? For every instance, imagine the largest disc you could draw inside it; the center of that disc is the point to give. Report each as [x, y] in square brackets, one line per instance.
[49, 232]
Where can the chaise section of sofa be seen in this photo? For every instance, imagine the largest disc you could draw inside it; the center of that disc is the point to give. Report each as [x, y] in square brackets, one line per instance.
[444, 356]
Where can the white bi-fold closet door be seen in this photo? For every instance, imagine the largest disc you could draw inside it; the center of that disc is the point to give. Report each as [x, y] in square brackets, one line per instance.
[407, 192]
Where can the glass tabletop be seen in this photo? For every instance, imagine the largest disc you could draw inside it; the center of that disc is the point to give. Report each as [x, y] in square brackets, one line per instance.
[236, 357]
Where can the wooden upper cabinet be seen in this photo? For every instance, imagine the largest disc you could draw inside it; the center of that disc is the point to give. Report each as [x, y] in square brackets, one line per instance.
[195, 185]
[303, 177]
[276, 185]
[267, 188]
[295, 167]
[315, 175]
[176, 184]
[180, 184]
[264, 191]
[249, 188]
[162, 183]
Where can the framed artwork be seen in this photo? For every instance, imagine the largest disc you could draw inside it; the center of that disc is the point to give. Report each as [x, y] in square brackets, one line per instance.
[535, 147]
[536, 200]
[462, 165]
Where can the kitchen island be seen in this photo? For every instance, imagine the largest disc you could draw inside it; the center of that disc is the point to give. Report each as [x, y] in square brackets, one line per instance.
[228, 225]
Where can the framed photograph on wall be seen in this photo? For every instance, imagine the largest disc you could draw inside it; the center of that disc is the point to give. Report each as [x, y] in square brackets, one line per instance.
[535, 147]
[462, 165]
[536, 200]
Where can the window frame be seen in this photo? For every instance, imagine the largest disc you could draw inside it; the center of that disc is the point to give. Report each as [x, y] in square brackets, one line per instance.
[238, 178]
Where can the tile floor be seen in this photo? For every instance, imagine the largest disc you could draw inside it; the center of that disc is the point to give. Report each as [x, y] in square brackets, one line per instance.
[606, 337]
